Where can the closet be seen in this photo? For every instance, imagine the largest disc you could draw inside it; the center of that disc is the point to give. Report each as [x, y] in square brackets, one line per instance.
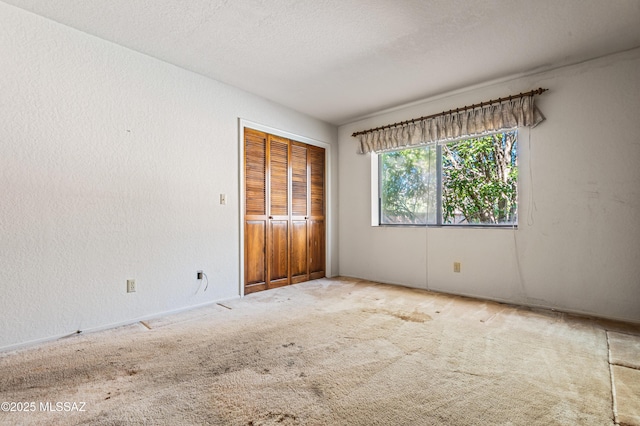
[284, 217]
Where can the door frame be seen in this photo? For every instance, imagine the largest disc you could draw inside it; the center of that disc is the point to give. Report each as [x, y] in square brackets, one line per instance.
[328, 217]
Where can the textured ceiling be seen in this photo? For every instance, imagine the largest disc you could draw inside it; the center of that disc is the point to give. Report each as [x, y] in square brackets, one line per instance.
[341, 59]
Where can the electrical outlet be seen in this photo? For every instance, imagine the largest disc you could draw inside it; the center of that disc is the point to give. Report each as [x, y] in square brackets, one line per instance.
[131, 286]
[199, 275]
[456, 266]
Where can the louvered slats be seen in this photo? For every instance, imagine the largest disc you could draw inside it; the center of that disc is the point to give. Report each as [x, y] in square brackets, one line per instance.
[278, 172]
[298, 180]
[317, 181]
[255, 173]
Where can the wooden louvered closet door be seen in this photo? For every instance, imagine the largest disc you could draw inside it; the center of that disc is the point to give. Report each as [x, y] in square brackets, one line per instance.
[316, 221]
[284, 211]
[299, 213]
[278, 221]
[255, 215]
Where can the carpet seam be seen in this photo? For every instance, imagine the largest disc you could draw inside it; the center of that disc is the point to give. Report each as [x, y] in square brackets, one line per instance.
[614, 405]
[626, 333]
[632, 367]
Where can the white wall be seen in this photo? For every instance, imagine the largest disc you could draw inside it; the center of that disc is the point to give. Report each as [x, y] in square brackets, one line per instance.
[111, 166]
[577, 246]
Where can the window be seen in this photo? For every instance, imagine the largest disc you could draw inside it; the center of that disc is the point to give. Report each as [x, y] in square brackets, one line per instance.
[464, 182]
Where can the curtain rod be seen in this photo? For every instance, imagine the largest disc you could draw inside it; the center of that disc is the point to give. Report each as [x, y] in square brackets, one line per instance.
[457, 110]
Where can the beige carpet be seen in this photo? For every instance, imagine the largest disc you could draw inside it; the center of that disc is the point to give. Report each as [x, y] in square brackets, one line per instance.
[328, 352]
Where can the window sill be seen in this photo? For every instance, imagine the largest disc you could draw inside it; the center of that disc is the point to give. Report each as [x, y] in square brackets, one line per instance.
[448, 225]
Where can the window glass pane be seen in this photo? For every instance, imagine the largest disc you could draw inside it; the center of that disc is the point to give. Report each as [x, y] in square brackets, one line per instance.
[408, 186]
[479, 180]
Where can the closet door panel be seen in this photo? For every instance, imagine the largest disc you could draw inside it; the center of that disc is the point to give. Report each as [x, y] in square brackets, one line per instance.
[279, 259]
[316, 249]
[254, 259]
[299, 254]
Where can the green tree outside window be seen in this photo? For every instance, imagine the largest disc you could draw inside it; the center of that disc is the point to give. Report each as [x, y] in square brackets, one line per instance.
[478, 182]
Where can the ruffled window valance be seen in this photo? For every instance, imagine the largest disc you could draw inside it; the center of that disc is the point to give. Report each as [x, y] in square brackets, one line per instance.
[470, 121]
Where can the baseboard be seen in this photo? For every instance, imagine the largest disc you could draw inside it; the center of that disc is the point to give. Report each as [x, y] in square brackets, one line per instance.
[509, 302]
[35, 342]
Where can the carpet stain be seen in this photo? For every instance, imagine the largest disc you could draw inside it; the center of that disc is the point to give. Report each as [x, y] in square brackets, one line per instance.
[274, 419]
[414, 316]
[317, 390]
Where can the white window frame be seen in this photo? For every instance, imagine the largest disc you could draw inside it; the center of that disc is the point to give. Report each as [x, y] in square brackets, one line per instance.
[522, 135]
